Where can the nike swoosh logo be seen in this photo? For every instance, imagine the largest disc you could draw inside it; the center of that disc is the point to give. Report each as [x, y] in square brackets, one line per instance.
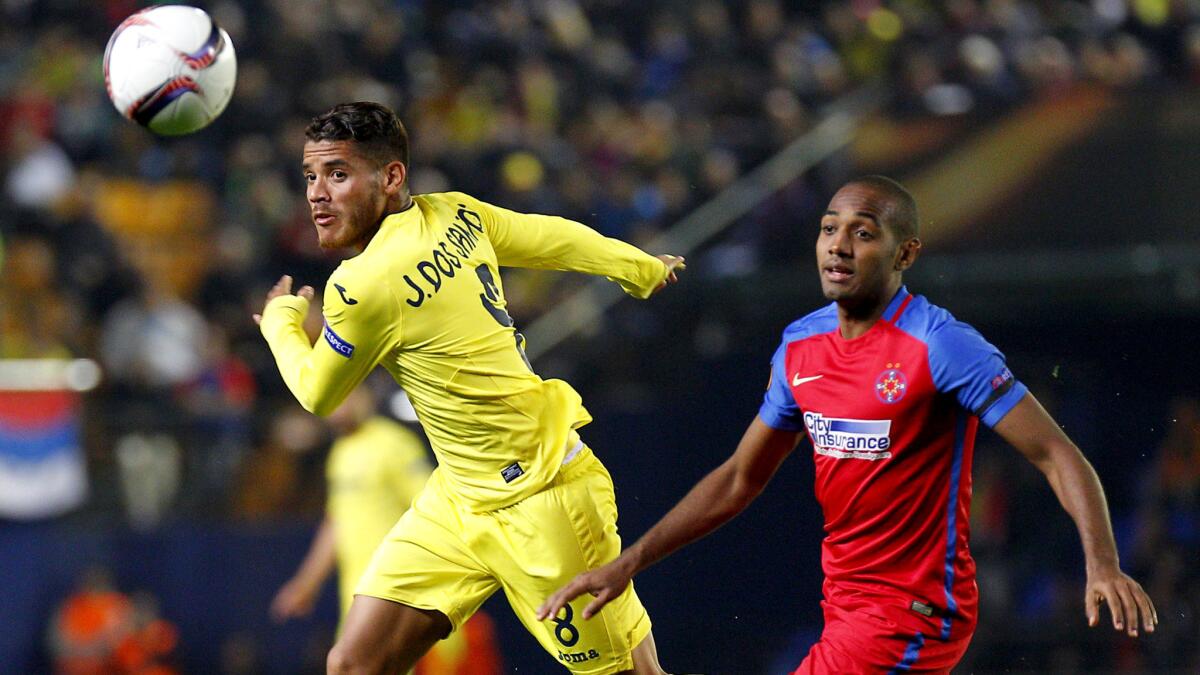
[797, 380]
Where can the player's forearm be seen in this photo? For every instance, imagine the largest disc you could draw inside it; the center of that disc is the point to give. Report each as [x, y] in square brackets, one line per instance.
[714, 501]
[720, 495]
[557, 243]
[1079, 491]
[321, 558]
[281, 326]
[1031, 430]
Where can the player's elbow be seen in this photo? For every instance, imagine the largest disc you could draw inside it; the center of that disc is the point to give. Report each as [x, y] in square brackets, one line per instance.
[321, 404]
[1055, 455]
[744, 487]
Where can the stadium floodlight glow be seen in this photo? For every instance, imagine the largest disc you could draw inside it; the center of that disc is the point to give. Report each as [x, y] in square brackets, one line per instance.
[49, 374]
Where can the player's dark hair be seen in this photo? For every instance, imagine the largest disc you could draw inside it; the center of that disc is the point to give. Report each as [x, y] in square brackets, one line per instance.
[374, 127]
[902, 217]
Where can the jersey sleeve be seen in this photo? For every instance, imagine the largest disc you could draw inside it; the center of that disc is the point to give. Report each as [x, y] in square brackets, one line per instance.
[779, 409]
[966, 365]
[360, 324]
[554, 243]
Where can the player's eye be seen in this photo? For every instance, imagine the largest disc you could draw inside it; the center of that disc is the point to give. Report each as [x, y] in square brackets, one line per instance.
[308, 177]
[338, 175]
[827, 228]
[864, 233]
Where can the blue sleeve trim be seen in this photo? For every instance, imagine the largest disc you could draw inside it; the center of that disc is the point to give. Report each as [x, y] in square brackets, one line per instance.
[779, 409]
[1002, 405]
[771, 416]
[778, 404]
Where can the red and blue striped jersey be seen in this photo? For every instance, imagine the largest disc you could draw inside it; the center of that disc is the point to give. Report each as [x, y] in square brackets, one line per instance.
[892, 416]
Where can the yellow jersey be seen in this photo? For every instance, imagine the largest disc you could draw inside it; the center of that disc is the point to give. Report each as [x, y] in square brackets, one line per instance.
[424, 299]
[373, 474]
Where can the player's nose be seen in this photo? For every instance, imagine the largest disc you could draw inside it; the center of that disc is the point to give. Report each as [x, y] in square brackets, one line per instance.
[840, 244]
[316, 192]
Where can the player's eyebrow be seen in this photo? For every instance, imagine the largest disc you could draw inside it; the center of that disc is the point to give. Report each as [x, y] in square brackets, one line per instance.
[862, 214]
[329, 163]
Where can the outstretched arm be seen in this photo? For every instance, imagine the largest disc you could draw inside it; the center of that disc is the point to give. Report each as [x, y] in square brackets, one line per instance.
[552, 243]
[1031, 430]
[714, 501]
[296, 597]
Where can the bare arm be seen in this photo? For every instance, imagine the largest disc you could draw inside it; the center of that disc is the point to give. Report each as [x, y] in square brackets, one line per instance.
[1031, 430]
[714, 501]
[296, 597]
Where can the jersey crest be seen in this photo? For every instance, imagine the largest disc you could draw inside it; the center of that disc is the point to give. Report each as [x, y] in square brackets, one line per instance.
[891, 385]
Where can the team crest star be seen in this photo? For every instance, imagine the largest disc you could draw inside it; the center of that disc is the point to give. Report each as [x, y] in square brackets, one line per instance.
[890, 386]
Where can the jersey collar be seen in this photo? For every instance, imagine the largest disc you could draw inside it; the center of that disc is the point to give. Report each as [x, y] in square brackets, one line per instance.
[896, 307]
[404, 215]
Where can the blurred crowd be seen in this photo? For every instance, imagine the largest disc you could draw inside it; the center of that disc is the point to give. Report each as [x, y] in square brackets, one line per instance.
[150, 255]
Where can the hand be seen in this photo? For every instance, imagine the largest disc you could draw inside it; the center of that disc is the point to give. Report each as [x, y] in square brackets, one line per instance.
[284, 287]
[605, 582]
[674, 263]
[294, 600]
[1125, 599]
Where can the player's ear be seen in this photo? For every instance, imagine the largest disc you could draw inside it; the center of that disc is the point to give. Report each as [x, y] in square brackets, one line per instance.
[395, 174]
[907, 253]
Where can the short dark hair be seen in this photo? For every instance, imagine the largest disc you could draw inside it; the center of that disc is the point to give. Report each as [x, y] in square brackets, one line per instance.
[902, 217]
[374, 127]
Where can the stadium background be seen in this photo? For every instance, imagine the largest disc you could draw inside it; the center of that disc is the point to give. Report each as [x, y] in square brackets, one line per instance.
[1051, 146]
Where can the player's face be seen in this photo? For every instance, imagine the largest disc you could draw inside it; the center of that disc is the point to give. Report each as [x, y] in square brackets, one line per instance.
[856, 255]
[345, 192]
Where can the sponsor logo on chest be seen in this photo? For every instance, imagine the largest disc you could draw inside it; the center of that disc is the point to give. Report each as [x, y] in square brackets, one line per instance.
[845, 438]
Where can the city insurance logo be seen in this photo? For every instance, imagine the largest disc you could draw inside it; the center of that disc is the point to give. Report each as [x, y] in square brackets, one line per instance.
[844, 438]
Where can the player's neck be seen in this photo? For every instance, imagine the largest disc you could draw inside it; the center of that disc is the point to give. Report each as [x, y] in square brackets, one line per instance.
[403, 202]
[851, 326]
[398, 205]
[856, 317]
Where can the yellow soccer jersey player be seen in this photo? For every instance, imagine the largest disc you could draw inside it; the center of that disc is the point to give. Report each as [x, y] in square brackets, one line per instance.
[425, 301]
[375, 468]
[373, 475]
[518, 501]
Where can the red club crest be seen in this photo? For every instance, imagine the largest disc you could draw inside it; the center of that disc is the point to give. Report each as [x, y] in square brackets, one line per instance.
[891, 384]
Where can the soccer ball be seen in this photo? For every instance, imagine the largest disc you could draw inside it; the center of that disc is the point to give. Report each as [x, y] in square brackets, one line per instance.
[170, 68]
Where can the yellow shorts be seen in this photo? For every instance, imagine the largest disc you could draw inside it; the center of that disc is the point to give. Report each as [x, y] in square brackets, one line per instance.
[442, 556]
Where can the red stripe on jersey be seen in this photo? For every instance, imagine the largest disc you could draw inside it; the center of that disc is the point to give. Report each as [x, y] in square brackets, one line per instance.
[901, 308]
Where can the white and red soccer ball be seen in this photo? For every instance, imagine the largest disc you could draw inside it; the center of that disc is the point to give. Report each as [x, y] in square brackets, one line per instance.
[170, 68]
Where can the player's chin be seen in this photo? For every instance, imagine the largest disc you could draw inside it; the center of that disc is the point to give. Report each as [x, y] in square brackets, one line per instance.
[835, 290]
[330, 239]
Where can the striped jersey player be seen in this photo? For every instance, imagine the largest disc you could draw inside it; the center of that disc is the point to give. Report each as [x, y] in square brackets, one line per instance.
[890, 391]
